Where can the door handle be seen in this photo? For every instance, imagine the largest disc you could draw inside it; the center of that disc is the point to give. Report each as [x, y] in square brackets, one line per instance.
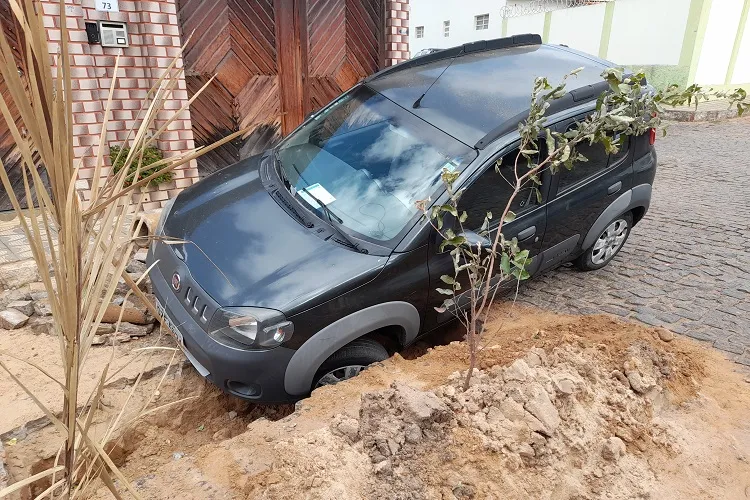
[614, 187]
[526, 233]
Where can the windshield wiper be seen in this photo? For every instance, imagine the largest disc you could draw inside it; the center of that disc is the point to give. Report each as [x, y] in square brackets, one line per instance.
[329, 213]
[280, 169]
[323, 206]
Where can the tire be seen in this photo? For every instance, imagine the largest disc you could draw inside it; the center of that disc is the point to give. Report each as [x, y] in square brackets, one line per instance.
[607, 244]
[348, 361]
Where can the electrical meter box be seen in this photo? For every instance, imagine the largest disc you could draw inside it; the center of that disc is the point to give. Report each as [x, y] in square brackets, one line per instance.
[113, 34]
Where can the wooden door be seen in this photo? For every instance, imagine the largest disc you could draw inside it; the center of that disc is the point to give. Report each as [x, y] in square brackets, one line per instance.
[9, 153]
[275, 61]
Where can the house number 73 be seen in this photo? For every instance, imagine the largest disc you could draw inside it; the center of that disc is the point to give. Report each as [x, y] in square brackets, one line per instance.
[107, 5]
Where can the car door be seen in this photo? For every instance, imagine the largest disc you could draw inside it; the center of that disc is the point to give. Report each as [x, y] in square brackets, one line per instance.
[489, 191]
[581, 194]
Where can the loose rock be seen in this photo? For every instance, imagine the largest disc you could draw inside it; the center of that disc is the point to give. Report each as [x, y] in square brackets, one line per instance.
[518, 370]
[17, 274]
[42, 324]
[539, 405]
[132, 330]
[42, 308]
[136, 267]
[100, 340]
[24, 306]
[12, 319]
[666, 335]
[613, 449]
[640, 384]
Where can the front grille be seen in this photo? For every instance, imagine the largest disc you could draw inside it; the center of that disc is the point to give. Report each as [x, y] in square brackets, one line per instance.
[190, 295]
[196, 306]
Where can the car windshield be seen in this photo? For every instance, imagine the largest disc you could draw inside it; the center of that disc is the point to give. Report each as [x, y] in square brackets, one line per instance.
[368, 161]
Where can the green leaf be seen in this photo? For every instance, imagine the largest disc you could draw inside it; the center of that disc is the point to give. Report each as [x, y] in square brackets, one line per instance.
[505, 263]
[444, 291]
[463, 217]
[447, 279]
[565, 153]
[509, 217]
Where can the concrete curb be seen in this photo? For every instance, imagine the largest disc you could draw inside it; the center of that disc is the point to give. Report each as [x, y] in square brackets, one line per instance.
[692, 115]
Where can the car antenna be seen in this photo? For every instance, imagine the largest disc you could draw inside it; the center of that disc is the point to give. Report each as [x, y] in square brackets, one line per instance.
[418, 102]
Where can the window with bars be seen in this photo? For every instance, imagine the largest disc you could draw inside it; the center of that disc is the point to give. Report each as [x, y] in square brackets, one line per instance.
[446, 28]
[482, 22]
[419, 31]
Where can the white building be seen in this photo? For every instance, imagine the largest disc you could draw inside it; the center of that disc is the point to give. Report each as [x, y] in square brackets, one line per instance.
[673, 41]
[440, 24]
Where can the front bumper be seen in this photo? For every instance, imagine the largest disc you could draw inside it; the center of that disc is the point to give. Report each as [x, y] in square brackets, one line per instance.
[252, 375]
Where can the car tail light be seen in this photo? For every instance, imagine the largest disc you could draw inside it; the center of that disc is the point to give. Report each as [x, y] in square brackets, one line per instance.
[651, 136]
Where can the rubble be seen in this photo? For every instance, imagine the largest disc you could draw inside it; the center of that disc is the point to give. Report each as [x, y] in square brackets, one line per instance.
[24, 306]
[17, 274]
[11, 319]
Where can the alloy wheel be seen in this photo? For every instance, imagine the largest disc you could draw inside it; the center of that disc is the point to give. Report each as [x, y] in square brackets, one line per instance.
[339, 375]
[609, 242]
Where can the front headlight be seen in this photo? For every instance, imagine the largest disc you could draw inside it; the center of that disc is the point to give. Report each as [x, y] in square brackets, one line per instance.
[250, 327]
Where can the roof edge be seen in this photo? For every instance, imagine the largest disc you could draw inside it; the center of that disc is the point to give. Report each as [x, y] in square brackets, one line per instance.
[445, 54]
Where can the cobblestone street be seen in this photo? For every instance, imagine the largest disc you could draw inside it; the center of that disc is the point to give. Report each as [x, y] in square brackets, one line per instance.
[686, 266]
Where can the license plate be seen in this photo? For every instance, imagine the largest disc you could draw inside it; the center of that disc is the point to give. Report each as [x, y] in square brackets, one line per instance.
[169, 323]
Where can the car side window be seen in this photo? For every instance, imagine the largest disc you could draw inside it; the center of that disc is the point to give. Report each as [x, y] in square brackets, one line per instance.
[622, 152]
[597, 161]
[491, 191]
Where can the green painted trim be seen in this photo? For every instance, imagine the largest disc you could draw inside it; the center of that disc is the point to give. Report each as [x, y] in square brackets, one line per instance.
[547, 25]
[737, 42]
[609, 16]
[691, 32]
[505, 26]
[700, 36]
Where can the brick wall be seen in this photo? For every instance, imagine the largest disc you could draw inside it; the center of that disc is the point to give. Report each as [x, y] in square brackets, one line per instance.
[154, 36]
[397, 31]
[154, 40]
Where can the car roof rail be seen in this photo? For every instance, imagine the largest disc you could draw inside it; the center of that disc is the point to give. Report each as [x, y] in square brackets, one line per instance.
[479, 46]
[569, 100]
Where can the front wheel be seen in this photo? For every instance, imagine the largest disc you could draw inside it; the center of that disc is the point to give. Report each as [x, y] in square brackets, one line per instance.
[348, 361]
[607, 245]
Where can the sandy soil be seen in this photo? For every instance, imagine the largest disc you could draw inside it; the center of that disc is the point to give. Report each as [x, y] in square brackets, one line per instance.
[126, 361]
[563, 407]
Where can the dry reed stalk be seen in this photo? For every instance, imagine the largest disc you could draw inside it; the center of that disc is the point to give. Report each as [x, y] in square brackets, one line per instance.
[87, 249]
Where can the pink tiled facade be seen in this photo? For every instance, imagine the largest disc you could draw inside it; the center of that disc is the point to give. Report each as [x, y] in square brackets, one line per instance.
[396, 31]
[154, 37]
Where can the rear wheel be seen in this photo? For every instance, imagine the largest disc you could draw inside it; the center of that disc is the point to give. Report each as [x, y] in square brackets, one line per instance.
[349, 361]
[607, 245]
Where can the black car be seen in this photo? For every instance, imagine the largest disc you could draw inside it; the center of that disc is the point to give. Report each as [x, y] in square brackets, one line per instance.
[307, 263]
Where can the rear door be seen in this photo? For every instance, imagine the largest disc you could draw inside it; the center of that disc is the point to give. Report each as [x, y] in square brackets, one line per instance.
[489, 191]
[581, 195]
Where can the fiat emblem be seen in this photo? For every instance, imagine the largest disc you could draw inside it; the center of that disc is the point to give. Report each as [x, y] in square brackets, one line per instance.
[176, 280]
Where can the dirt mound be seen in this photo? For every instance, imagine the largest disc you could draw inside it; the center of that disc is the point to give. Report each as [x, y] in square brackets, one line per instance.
[561, 422]
[560, 407]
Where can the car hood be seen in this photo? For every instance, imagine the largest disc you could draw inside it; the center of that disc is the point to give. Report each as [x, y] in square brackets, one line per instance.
[245, 250]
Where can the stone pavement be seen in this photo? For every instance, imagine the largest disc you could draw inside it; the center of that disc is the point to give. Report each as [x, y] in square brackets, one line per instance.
[686, 266]
[13, 244]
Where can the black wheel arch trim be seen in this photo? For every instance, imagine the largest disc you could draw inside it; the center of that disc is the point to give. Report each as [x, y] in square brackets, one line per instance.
[639, 196]
[313, 353]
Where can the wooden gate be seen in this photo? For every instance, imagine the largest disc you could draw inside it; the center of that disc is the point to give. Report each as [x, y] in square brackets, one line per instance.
[275, 61]
[9, 153]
